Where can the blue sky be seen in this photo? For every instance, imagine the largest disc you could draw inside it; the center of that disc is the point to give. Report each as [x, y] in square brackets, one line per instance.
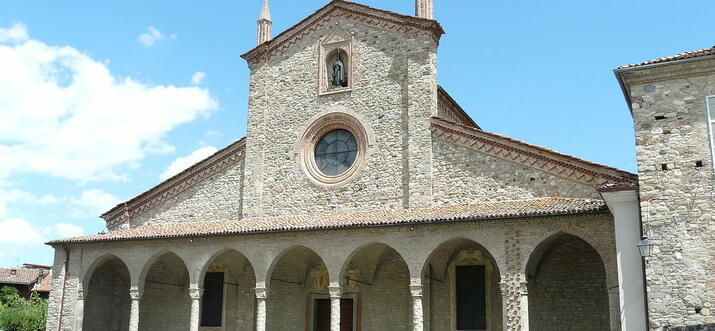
[101, 100]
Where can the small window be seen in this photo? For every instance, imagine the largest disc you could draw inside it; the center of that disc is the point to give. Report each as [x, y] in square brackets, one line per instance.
[212, 300]
[471, 297]
[710, 102]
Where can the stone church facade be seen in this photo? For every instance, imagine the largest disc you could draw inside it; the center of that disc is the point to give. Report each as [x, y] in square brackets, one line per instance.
[365, 198]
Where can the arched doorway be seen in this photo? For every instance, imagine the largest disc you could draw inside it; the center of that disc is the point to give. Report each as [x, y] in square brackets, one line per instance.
[165, 304]
[298, 278]
[107, 303]
[463, 291]
[567, 286]
[228, 301]
[377, 278]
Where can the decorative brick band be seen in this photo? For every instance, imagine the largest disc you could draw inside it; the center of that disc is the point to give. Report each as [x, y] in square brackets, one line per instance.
[173, 186]
[529, 155]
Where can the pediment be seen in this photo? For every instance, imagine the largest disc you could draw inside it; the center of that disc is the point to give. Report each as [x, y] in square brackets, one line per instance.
[359, 13]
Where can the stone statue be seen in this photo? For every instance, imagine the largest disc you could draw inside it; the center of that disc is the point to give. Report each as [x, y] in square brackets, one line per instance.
[340, 75]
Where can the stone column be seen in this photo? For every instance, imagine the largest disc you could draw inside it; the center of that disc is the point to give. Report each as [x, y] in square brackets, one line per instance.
[195, 294]
[335, 295]
[417, 313]
[261, 296]
[626, 214]
[79, 313]
[515, 301]
[136, 295]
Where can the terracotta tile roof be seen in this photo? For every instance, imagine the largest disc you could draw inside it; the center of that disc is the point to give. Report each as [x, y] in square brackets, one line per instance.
[456, 213]
[45, 285]
[22, 276]
[678, 57]
[530, 155]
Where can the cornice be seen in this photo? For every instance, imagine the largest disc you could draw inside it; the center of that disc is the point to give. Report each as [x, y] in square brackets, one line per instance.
[366, 15]
[173, 186]
[532, 156]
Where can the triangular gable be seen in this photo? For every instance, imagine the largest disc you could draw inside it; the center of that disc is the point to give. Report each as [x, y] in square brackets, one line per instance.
[180, 182]
[532, 156]
[363, 14]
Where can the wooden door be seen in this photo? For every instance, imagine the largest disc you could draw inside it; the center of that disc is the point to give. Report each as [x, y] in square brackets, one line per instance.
[322, 315]
[346, 315]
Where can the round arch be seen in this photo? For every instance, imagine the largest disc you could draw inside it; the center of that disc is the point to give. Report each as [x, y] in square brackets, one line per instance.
[567, 285]
[463, 268]
[107, 302]
[99, 261]
[165, 303]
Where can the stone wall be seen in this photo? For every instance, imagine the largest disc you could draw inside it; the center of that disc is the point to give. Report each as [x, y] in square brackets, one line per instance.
[165, 304]
[107, 300]
[464, 176]
[387, 301]
[213, 199]
[567, 288]
[394, 91]
[677, 188]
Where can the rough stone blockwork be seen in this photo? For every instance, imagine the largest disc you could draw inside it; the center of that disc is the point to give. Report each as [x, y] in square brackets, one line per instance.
[704, 327]
[677, 187]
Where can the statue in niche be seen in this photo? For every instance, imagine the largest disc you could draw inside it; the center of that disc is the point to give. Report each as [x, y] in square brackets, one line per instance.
[340, 74]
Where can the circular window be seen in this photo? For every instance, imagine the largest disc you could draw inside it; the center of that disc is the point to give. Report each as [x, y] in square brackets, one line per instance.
[333, 149]
[336, 152]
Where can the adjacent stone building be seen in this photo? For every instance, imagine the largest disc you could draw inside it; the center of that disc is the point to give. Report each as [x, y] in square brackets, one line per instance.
[365, 198]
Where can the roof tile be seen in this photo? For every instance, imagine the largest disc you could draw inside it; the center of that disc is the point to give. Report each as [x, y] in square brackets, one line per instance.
[454, 213]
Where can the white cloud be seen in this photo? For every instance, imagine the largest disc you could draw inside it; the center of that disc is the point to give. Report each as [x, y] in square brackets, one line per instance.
[149, 38]
[66, 230]
[18, 231]
[198, 78]
[14, 196]
[180, 164]
[16, 33]
[65, 114]
[94, 202]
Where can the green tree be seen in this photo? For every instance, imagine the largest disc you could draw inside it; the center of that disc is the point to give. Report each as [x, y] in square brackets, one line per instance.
[19, 314]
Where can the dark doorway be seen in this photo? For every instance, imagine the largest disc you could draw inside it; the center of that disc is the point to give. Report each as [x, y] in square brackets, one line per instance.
[471, 298]
[322, 315]
[212, 301]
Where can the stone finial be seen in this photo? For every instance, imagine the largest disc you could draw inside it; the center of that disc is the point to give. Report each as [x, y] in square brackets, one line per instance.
[424, 9]
[264, 24]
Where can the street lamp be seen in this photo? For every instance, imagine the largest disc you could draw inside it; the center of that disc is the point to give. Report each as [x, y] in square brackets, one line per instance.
[645, 246]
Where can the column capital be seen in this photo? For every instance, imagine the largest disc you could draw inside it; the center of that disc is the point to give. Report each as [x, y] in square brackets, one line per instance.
[416, 290]
[82, 294]
[195, 293]
[135, 293]
[261, 293]
[335, 291]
